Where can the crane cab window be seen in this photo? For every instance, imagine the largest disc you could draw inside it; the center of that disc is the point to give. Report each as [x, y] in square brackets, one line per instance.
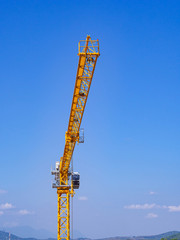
[76, 180]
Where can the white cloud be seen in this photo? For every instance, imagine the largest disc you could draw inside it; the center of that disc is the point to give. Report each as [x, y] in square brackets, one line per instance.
[6, 206]
[153, 206]
[1, 213]
[141, 206]
[83, 198]
[174, 208]
[152, 193]
[25, 212]
[2, 191]
[151, 215]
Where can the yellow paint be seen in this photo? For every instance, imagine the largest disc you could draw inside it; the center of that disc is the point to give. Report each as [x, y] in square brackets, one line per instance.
[88, 54]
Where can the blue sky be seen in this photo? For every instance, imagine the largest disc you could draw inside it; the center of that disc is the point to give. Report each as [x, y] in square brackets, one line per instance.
[129, 163]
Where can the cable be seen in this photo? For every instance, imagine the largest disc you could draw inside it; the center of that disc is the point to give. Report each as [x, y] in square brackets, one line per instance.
[71, 201]
[72, 218]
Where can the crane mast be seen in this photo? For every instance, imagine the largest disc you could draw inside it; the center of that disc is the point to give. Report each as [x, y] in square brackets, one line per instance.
[65, 180]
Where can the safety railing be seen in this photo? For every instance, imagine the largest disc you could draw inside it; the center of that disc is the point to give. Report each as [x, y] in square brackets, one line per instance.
[89, 46]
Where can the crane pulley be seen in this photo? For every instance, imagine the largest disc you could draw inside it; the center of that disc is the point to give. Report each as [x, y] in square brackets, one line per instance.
[88, 54]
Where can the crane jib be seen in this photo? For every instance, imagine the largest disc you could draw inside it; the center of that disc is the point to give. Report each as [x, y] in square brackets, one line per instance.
[88, 54]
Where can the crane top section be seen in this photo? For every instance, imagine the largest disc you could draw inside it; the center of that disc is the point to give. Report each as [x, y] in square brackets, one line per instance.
[88, 54]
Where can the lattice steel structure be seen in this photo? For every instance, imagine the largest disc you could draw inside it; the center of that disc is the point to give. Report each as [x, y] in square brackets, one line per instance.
[88, 54]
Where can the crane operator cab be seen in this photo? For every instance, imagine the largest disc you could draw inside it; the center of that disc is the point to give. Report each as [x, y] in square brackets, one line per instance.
[76, 180]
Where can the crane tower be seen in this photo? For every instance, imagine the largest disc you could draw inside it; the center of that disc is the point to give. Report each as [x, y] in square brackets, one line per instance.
[66, 180]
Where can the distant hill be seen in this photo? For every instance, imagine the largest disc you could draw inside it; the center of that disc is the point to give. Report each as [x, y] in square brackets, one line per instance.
[29, 232]
[33, 233]
[168, 236]
[174, 236]
[5, 236]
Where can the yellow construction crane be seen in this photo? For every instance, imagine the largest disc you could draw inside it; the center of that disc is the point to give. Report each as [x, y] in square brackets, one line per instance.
[66, 180]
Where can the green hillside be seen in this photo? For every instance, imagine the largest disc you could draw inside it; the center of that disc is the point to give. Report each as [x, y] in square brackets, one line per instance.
[164, 236]
[174, 236]
[168, 235]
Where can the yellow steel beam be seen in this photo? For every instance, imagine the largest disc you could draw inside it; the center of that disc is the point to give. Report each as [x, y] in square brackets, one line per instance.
[88, 54]
[63, 215]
